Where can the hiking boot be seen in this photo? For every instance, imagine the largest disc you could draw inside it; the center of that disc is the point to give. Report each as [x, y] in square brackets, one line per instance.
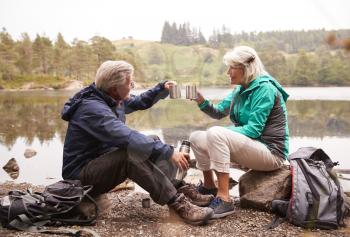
[190, 213]
[206, 191]
[221, 208]
[191, 192]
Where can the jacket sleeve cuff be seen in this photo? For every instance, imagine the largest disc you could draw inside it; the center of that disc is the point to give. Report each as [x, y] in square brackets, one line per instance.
[162, 84]
[169, 153]
[204, 104]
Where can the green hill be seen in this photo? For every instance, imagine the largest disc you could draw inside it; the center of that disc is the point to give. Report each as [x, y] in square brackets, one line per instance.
[186, 64]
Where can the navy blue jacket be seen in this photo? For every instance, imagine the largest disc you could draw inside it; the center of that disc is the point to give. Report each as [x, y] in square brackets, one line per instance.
[97, 125]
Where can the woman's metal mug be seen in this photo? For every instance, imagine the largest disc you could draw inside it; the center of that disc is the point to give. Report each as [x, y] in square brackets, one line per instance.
[175, 92]
[191, 92]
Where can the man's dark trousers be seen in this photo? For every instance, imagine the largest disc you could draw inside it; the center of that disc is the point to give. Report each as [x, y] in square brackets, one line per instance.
[112, 168]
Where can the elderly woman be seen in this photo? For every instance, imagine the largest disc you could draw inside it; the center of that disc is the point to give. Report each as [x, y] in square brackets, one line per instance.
[258, 137]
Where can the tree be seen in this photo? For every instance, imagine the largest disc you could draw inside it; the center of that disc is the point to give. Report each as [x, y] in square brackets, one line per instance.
[174, 34]
[214, 39]
[43, 53]
[166, 33]
[103, 48]
[275, 63]
[25, 50]
[8, 55]
[60, 57]
[82, 61]
[200, 38]
[332, 68]
[304, 74]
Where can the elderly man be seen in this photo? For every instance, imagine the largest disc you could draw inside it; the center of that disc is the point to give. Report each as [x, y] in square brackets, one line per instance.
[102, 151]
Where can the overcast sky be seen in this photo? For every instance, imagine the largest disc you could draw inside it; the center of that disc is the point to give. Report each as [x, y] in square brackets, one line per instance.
[143, 19]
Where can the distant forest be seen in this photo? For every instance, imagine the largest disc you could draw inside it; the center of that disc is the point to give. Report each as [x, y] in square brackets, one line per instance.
[295, 58]
[288, 41]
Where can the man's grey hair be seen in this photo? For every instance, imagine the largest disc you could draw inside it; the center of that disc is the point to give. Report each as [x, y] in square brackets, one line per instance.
[248, 58]
[112, 73]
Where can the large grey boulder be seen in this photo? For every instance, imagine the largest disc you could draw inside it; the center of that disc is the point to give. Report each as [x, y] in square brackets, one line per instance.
[12, 168]
[257, 189]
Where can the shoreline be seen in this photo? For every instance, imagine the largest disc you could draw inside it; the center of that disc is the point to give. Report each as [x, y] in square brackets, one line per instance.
[148, 85]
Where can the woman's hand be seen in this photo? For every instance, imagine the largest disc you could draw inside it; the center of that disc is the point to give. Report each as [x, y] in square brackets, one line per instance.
[168, 84]
[180, 159]
[200, 99]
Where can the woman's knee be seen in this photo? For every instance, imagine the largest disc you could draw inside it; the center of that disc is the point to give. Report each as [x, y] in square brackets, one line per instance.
[197, 138]
[215, 133]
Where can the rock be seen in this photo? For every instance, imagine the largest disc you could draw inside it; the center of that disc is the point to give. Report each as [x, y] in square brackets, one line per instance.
[257, 189]
[29, 153]
[27, 86]
[73, 85]
[12, 168]
[231, 183]
[127, 184]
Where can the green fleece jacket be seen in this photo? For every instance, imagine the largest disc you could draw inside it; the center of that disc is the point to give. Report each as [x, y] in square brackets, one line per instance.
[258, 112]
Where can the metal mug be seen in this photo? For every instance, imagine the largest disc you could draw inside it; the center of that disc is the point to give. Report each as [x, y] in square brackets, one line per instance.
[175, 91]
[191, 92]
[146, 202]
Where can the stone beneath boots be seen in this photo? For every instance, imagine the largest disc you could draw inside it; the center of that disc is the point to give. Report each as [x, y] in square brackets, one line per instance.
[257, 189]
[189, 212]
[191, 192]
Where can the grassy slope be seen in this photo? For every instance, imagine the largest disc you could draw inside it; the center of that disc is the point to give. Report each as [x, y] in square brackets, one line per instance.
[186, 64]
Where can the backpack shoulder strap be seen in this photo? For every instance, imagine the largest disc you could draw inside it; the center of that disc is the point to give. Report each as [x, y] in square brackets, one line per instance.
[276, 221]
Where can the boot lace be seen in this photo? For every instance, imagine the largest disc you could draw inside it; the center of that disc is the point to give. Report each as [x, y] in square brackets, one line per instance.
[215, 203]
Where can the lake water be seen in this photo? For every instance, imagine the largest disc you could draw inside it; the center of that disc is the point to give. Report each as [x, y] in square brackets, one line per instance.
[318, 117]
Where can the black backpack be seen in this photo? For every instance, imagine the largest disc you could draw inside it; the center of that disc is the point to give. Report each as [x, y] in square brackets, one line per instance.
[57, 205]
[317, 198]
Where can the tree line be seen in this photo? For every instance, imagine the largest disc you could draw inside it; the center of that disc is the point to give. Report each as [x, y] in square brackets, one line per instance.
[183, 34]
[315, 65]
[42, 56]
[289, 41]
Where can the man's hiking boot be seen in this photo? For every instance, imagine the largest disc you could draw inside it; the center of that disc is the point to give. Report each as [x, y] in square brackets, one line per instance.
[221, 208]
[190, 213]
[191, 192]
[206, 191]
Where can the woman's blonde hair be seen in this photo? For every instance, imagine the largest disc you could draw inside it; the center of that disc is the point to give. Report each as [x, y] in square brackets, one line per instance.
[112, 73]
[248, 58]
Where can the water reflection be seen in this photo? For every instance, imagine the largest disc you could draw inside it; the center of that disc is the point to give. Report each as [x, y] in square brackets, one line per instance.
[32, 119]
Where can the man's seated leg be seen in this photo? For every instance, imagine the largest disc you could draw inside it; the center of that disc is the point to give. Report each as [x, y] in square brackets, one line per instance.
[151, 178]
[189, 190]
[103, 173]
[113, 168]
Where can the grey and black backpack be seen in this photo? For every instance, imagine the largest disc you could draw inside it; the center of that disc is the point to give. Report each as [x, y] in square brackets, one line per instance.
[317, 198]
[57, 205]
